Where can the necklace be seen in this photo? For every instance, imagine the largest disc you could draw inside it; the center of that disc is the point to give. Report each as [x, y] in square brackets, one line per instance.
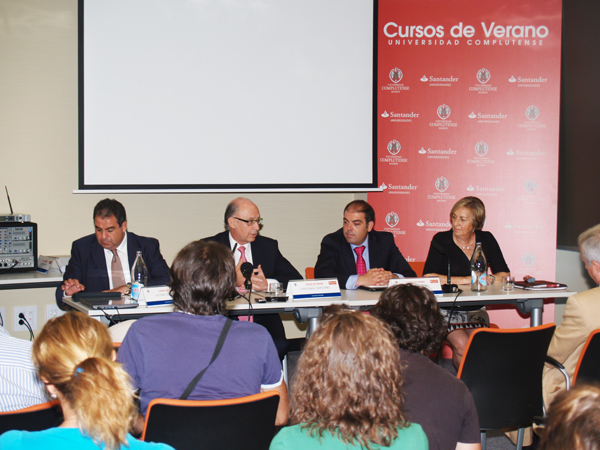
[464, 247]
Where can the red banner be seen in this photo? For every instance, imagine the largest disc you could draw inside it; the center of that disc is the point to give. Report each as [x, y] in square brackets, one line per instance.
[468, 104]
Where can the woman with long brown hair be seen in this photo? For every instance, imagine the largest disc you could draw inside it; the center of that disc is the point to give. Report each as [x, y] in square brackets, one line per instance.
[346, 390]
[75, 358]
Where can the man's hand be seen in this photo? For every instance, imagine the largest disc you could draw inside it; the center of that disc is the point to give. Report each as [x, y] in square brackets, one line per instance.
[72, 286]
[259, 281]
[239, 278]
[375, 277]
[121, 289]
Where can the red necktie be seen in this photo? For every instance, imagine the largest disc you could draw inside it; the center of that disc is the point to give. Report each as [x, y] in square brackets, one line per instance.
[241, 289]
[361, 266]
[242, 250]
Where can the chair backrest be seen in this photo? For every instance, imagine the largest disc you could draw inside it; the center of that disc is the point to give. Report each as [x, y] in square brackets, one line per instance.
[503, 370]
[237, 423]
[310, 273]
[34, 418]
[417, 266]
[588, 366]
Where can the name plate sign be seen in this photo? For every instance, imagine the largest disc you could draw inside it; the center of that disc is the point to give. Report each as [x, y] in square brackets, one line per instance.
[156, 296]
[431, 283]
[309, 289]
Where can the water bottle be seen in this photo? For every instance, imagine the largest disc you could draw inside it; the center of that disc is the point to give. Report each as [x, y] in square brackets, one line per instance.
[478, 270]
[139, 276]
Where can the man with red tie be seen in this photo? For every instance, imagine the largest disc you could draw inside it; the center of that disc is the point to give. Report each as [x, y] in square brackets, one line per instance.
[241, 235]
[357, 255]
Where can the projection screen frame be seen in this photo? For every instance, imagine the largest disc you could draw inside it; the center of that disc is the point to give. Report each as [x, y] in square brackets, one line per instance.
[232, 187]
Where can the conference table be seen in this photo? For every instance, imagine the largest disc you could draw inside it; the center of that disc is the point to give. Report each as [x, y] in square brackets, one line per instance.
[310, 310]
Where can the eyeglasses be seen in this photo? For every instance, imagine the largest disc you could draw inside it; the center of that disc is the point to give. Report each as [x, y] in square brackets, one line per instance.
[251, 222]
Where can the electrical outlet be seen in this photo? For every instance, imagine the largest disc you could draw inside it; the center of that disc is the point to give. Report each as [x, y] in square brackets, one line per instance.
[3, 314]
[30, 313]
[53, 311]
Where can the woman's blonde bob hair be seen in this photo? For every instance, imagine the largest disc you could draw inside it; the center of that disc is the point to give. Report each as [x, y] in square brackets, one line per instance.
[476, 207]
[74, 353]
[348, 381]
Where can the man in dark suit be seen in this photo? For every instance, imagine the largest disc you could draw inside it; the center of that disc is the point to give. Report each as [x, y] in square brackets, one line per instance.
[357, 255]
[103, 261]
[241, 235]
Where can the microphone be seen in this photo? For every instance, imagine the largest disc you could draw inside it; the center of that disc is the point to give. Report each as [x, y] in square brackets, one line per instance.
[247, 269]
[447, 288]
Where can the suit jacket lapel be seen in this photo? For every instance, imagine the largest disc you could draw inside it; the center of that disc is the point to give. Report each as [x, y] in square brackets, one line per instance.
[258, 254]
[348, 257]
[374, 253]
[100, 262]
[132, 248]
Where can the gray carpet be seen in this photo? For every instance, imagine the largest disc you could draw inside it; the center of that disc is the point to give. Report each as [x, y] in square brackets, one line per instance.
[496, 439]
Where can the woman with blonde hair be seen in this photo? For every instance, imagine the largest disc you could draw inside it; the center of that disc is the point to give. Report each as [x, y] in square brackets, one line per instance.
[75, 358]
[455, 247]
[346, 390]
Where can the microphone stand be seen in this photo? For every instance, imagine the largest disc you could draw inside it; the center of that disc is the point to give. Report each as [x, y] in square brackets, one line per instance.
[247, 269]
[447, 288]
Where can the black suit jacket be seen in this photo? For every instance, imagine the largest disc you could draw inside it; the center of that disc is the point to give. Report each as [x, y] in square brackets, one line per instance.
[265, 251]
[88, 263]
[336, 259]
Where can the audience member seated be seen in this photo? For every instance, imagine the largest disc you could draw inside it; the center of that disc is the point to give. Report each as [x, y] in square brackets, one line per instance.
[573, 420]
[75, 358]
[456, 246]
[581, 317]
[165, 352]
[20, 385]
[346, 390]
[434, 398]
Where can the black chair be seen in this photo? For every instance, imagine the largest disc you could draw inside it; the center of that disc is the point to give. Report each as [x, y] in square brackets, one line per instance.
[588, 366]
[503, 370]
[34, 418]
[239, 423]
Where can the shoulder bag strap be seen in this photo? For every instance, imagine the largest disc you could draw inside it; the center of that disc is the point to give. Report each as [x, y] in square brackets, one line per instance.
[220, 342]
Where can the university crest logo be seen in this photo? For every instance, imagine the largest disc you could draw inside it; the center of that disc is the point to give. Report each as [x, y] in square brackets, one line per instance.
[394, 147]
[443, 111]
[392, 219]
[532, 112]
[481, 148]
[441, 184]
[396, 75]
[528, 259]
[530, 186]
[483, 76]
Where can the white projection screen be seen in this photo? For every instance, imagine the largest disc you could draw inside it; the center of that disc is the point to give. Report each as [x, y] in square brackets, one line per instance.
[224, 95]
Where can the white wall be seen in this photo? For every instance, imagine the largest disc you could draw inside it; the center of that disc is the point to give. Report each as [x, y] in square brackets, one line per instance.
[38, 141]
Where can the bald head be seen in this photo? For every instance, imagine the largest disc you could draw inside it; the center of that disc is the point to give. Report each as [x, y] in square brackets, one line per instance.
[241, 216]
